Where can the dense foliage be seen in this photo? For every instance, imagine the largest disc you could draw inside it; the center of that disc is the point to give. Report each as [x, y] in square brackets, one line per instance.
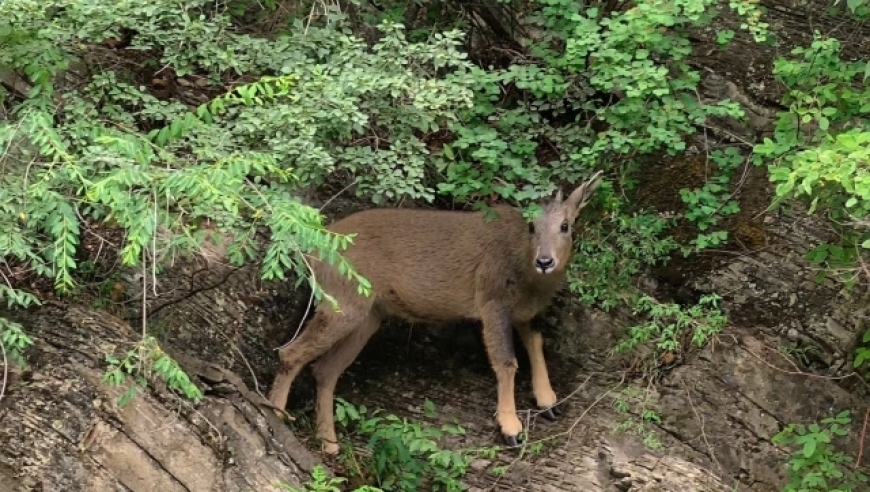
[178, 123]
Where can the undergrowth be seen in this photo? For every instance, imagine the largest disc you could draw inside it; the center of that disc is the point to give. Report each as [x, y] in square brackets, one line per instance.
[321, 482]
[638, 416]
[817, 465]
[403, 455]
[671, 327]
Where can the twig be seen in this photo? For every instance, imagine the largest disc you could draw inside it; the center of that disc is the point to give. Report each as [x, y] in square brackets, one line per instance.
[728, 134]
[245, 360]
[9, 146]
[90, 230]
[308, 265]
[740, 184]
[569, 432]
[569, 395]
[144, 294]
[304, 315]
[6, 371]
[863, 264]
[861, 441]
[310, 300]
[6, 279]
[192, 291]
[153, 251]
[796, 372]
[308, 19]
[333, 197]
[204, 418]
[701, 421]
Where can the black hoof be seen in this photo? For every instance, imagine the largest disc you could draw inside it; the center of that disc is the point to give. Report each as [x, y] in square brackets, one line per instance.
[551, 413]
[512, 441]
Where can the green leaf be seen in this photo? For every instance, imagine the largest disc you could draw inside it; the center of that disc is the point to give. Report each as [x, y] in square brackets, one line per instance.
[861, 356]
[809, 448]
[824, 124]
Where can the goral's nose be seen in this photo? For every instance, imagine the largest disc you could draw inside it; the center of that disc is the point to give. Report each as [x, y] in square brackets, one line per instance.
[545, 262]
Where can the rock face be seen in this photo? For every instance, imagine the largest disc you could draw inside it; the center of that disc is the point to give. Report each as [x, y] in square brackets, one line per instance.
[62, 429]
[718, 411]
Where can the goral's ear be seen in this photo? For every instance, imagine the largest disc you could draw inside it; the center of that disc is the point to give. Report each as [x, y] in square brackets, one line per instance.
[580, 196]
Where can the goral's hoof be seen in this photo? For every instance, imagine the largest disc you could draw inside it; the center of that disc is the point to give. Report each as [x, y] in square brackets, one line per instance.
[512, 441]
[282, 415]
[330, 448]
[552, 413]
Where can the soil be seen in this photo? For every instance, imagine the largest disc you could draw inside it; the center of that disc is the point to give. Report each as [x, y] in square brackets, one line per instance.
[784, 358]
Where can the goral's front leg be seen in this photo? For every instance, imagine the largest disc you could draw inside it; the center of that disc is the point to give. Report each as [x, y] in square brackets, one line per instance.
[545, 397]
[498, 337]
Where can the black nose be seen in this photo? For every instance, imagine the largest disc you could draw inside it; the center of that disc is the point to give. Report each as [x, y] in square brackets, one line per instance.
[545, 262]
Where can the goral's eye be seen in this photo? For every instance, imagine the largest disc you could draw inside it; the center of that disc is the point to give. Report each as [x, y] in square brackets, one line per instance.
[565, 226]
[531, 228]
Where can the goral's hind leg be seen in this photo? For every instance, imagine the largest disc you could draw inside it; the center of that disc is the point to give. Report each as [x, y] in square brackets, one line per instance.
[544, 394]
[323, 331]
[498, 337]
[328, 369]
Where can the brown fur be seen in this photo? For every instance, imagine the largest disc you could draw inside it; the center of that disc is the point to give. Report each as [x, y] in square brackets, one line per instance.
[438, 266]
